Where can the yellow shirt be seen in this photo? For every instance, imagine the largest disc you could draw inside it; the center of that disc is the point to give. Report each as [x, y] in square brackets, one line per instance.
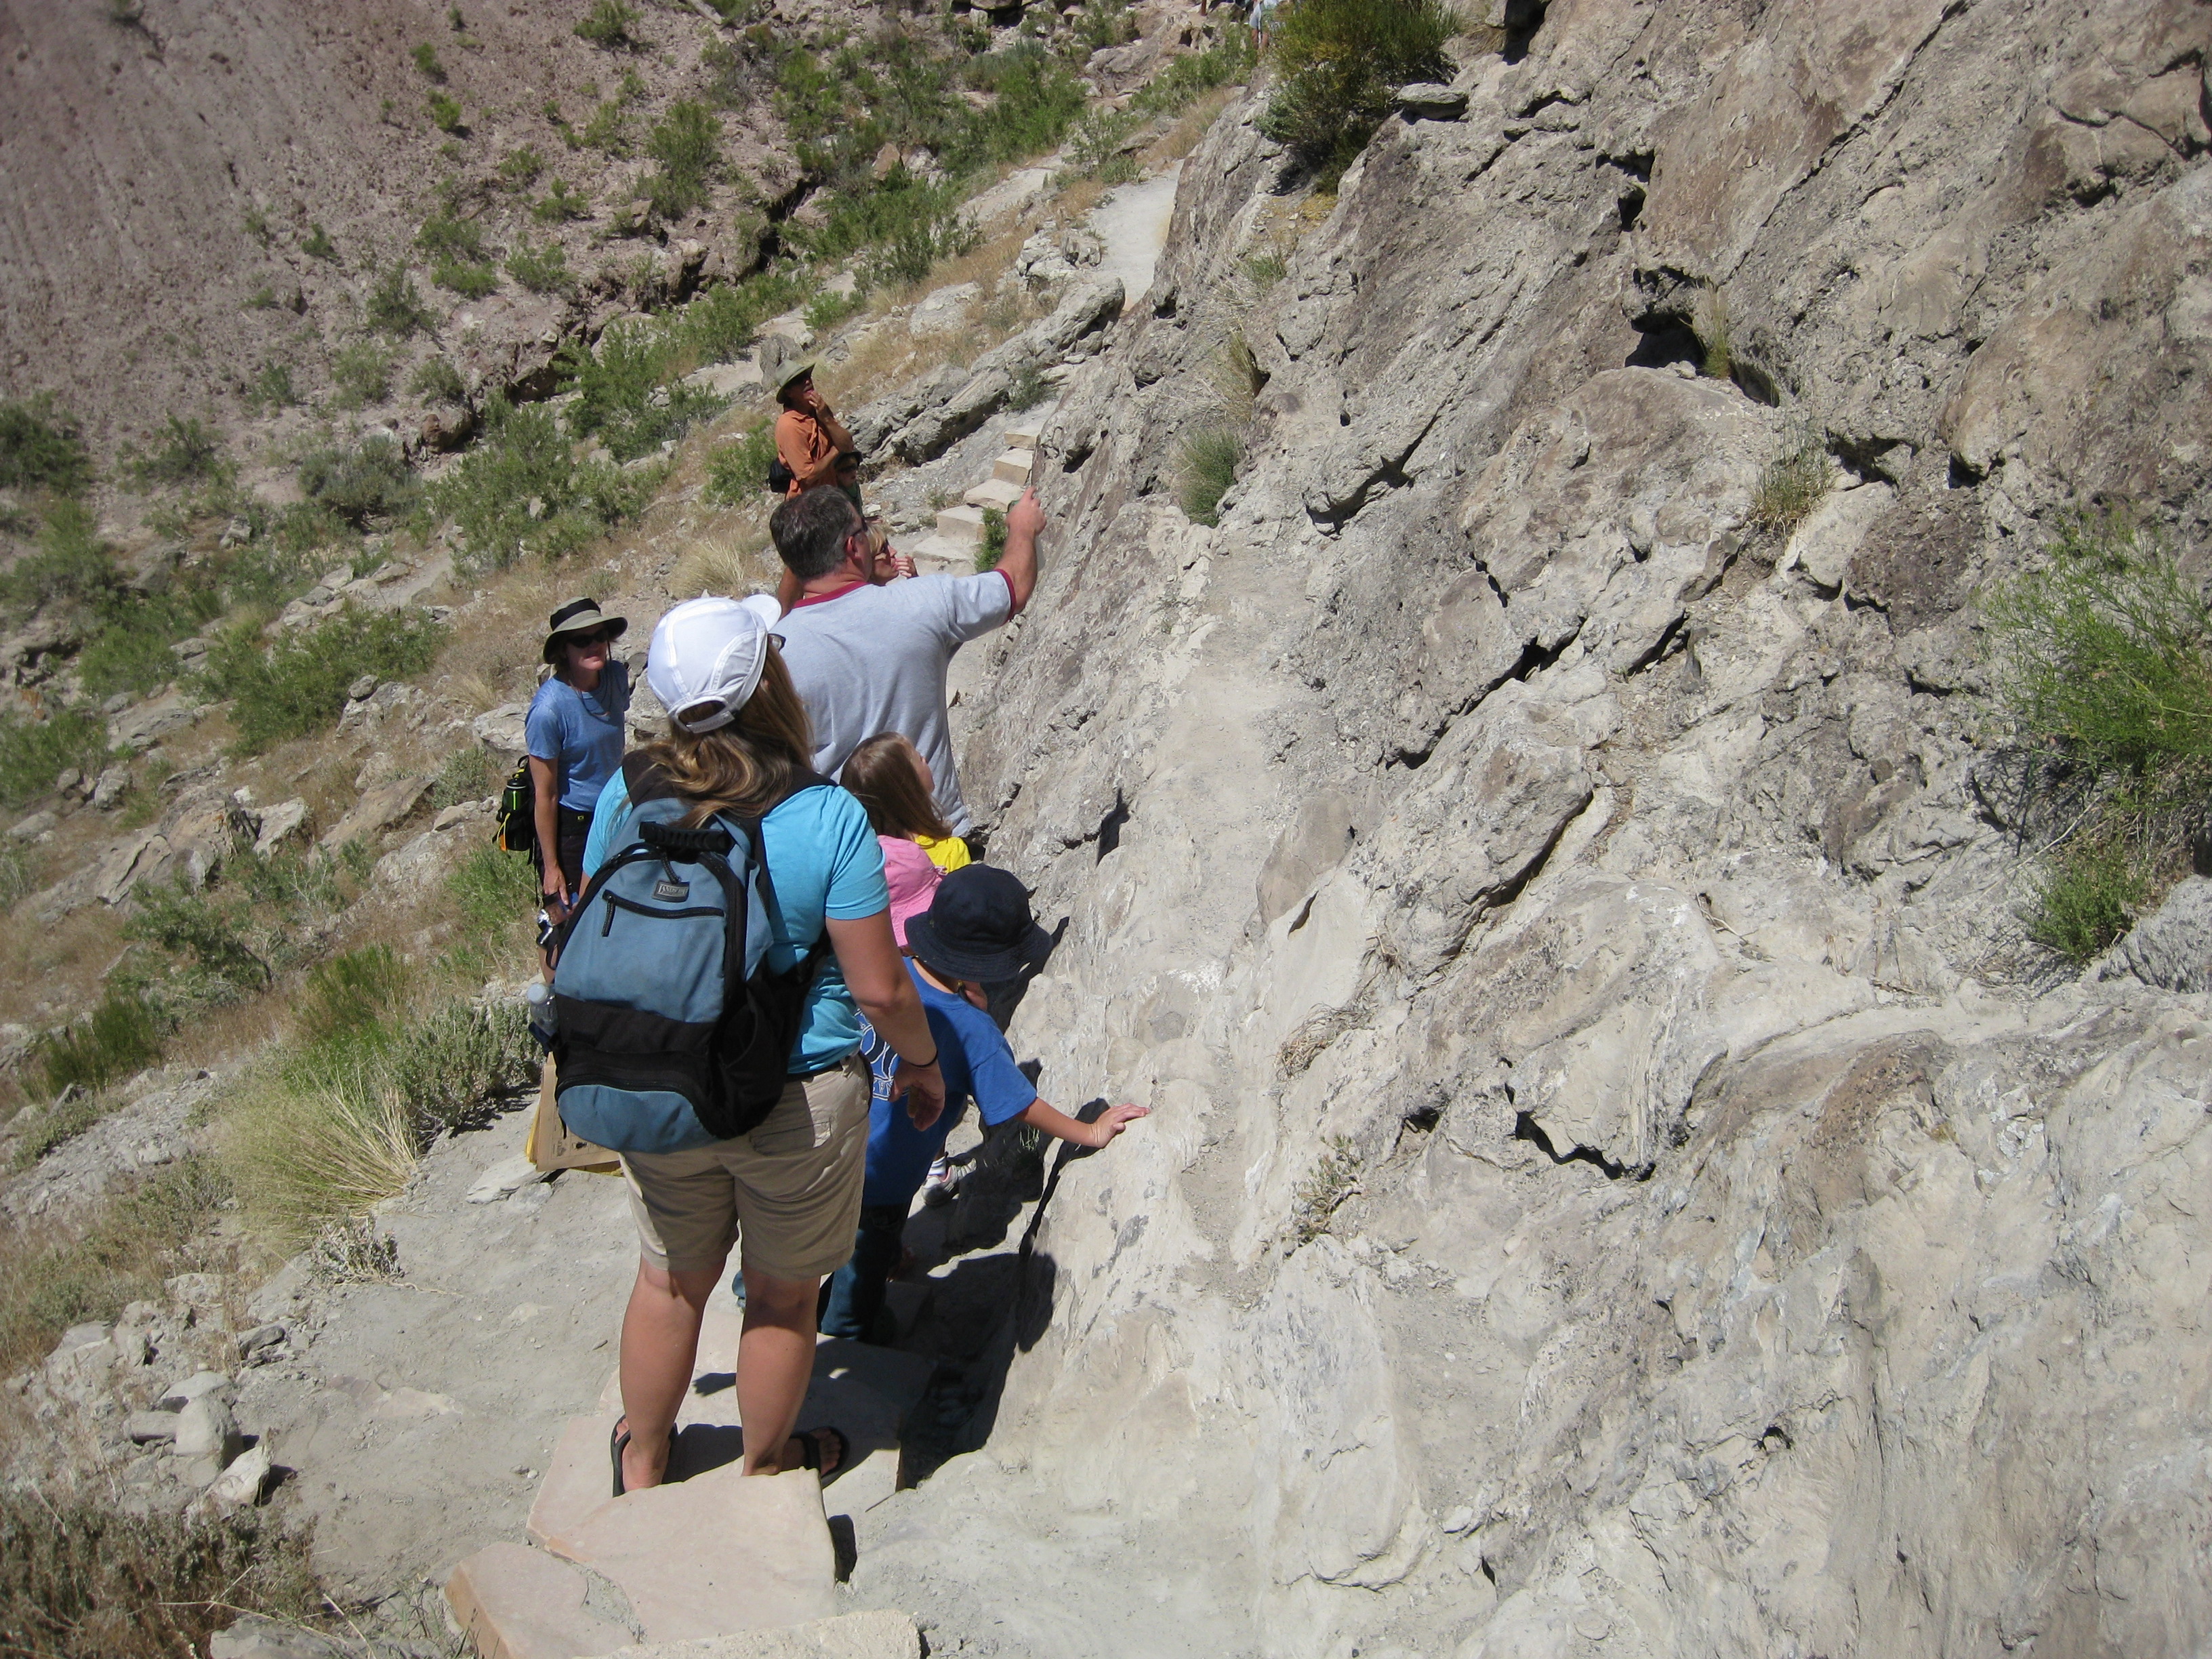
[948, 854]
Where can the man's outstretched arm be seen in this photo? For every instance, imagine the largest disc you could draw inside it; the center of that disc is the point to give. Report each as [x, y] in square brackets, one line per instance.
[1018, 563]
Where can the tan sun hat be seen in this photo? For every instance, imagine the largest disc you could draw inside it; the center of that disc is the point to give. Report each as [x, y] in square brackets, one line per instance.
[579, 617]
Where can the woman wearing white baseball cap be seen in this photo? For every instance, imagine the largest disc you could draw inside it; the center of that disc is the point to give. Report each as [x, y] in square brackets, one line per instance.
[789, 1191]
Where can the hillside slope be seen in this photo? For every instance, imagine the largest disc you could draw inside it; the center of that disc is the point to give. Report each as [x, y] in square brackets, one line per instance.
[1619, 1180]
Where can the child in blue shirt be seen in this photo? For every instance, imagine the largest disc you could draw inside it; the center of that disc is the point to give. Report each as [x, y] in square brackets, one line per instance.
[978, 931]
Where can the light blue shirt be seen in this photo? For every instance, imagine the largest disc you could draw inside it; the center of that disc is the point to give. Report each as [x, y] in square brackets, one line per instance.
[824, 862]
[581, 733]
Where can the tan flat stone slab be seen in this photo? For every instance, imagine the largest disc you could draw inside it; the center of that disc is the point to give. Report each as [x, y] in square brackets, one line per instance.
[992, 492]
[877, 1635]
[515, 1602]
[721, 1552]
[937, 556]
[961, 524]
[1024, 434]
[578, 1480]
[1012, 467]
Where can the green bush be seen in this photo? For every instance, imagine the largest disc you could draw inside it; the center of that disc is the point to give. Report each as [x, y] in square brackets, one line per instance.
[468, 775]
[687, 141]
[426, 60]
[361, 373]
[993, 547]
[444, 233]
[298, 684]
[210, 936]
[319, 244]
[519, 168]
[1030, 388]
[120, 1036]
[2090, 893]
[608, 24]
[184, 451]
[560, 204]
[827, 309]
[1336, 63]
[446, 113]
[1208, 466]
[524, 459]
[494, 893]
[727, 318]
[465, 277]
[440, 381]
[33, 753]
[541, 269]
[2103, 663]
[271, 389]
[351, 992]
[129, 649]
[737, 472]
[71, 562]
[626, 394]
[395, 305]
[41, 448]
[362, 482]
[608, 130]
[454, 1063]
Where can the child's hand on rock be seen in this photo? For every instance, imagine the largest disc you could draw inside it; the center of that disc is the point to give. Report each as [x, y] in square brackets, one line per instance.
[1114, 1119]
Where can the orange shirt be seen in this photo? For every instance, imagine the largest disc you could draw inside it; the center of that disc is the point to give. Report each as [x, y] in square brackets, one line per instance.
[806, 448]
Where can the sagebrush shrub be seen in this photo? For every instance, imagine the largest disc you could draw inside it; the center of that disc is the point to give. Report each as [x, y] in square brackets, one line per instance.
[298, 684]
[1337, 61]
[40, 448]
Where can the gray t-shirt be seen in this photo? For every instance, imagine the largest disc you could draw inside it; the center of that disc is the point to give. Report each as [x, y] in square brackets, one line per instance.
[872, 659]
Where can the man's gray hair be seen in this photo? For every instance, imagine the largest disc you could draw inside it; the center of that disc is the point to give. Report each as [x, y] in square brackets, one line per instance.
[811, 529]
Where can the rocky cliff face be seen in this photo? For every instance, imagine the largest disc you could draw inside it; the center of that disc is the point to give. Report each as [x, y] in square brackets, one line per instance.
[1619, 1183]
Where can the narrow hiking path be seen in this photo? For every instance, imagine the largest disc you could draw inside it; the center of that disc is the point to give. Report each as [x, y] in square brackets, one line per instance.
[450, 1427]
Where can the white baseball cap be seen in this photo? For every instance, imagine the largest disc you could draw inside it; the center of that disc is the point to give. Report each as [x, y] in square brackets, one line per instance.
[705, 658]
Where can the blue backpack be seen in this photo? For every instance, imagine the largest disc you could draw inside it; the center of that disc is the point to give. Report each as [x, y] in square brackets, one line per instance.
[671, 1030]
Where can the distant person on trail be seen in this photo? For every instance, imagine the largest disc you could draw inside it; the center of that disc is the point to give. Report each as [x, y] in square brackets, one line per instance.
[811, 441]
[976, 932]
[789, 1192]
[869, 658]
[574, 737]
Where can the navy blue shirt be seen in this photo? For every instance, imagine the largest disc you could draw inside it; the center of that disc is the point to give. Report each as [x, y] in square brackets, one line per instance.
[581, 733]
[976, 1064]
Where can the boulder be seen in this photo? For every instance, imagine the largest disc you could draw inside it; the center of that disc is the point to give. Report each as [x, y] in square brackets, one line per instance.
[500, 730]
[207, 1430]
[1426, 101]
[242, 1483]
[278, 824]
[2171, 948]
[379, 810]
[256, 1638]
[32, 826]
[943, 310]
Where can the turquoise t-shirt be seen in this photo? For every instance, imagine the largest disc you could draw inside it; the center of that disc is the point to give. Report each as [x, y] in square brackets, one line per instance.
[824, 860]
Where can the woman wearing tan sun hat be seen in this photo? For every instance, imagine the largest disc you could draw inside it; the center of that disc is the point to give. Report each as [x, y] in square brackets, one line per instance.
[574, 735]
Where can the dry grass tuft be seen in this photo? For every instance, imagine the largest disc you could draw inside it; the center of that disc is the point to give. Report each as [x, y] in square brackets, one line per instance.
[734, 563]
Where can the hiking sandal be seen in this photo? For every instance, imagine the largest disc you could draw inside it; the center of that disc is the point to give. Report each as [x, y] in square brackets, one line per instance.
[812, 1442]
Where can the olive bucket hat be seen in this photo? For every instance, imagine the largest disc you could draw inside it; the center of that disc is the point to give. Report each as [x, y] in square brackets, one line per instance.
[575, 618]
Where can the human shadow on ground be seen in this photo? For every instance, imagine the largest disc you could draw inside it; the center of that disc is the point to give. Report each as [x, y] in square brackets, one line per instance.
[839, 1392]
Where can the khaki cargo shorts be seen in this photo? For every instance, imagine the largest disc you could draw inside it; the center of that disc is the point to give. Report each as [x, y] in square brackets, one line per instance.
[790, 1190]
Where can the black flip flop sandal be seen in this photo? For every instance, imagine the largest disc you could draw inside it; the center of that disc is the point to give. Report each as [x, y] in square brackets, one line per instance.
[618, 1437]
[811, 1457]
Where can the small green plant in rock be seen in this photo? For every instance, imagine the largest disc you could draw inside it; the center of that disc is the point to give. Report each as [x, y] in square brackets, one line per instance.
[445, 233]
[541, 269]
[519, 168]
[827, 309]
[467, 775]
[1207, 464]
[608, 25]
[1336, 63]
[361, 373]
[687, 141]
[1322, 1193]
[185, 450]
[426, 60]
[1714, 335]
[360, 482]
[271, 388]
[256, 227]
[1265, 267]
[395, 305]
[40, 448]
[465, 277]
[1789, 488]
[439, 381]
[608, 130]
[297, 685]
[560, 204]
[993, 547]
[262, 299]
[33, 753]
[737, 472]
[17, 877]
[319, 244]
[446, 113]
[2090, 893]
[1030, 388]
[120, 1036]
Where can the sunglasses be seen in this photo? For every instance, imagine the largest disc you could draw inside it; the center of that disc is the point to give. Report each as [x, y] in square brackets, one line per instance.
[604, 636]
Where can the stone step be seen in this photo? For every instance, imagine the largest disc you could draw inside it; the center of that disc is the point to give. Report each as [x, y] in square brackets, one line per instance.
[721, 1552]
[940, 556]
[961, 524]
[1012, 467]
[515, 1602]
[994, 492]
[1024, 433]
[881, 1634]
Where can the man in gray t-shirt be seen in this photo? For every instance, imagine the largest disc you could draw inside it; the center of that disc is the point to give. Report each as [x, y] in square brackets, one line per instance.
[868, 658]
